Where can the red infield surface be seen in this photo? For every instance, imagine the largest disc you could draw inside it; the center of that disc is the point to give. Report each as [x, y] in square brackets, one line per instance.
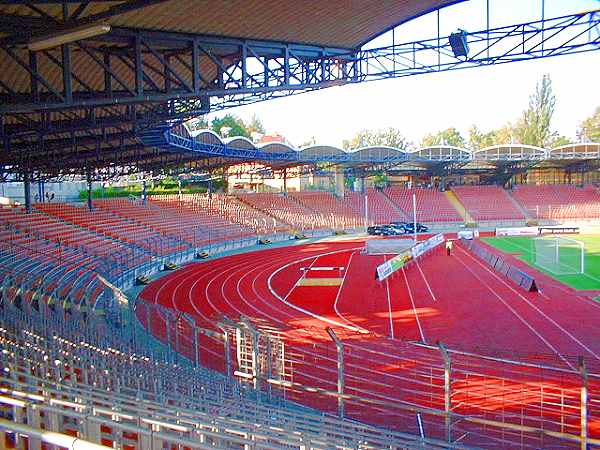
[457, 299]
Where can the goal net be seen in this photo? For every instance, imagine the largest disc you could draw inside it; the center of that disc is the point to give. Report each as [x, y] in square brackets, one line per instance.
[559, 255]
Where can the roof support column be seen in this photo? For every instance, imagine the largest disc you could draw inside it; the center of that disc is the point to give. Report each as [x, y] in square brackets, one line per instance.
[41, 191]
[339, 181]
[27, 190]
[285, 179]
[88, 176]
[144, 195]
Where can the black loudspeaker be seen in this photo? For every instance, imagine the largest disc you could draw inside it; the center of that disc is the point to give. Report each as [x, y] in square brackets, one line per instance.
[458, 42]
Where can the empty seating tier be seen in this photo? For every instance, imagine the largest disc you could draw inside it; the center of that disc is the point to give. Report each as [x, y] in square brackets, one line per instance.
[114, 226]
[559, 201]
[431, 205]
[325, 203]
[488, 203]
[224, 216]
[171, 217]
[285, 209]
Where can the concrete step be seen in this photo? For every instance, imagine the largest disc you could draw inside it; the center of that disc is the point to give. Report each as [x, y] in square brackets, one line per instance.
[518, 205]
[454, 201]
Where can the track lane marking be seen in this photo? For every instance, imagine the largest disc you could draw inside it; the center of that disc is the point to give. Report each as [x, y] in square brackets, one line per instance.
[548, 318]
[412, 301]
[518, 316]
[426, 282]
[387, 289]
[337, 297]
[305, 311]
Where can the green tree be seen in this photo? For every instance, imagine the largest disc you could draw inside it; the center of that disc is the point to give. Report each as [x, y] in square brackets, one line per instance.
[390, 137]
[197, 124]
[589, 129]
[505, 135]
[255, 125]
[449, 136]
[380, 180]
[559, 140]
[479, 139]
[235, 125]
[534, 127]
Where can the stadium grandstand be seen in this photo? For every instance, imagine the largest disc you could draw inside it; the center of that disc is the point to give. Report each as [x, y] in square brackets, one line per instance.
[247, 316]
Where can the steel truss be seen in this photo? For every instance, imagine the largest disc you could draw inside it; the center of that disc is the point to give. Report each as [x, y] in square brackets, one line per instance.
[144, 77]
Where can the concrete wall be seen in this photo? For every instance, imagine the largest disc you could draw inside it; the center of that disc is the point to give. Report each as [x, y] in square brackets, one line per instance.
[66, 191]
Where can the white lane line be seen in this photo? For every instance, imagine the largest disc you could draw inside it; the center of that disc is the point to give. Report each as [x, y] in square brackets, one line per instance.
[337, 297]
[518, 316]
[301, 277]
[526, 300]
[412, 301]
[305, 311]
[387, 289]
[426, 282]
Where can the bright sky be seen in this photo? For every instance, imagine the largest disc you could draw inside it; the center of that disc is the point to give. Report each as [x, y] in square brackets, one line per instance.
[488, 97]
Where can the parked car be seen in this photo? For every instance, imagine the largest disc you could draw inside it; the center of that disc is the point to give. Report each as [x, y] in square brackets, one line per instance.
[410, 227]
[391, 230]
[375, 230]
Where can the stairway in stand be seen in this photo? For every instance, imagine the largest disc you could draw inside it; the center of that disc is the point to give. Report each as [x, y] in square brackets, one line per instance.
[454, 201]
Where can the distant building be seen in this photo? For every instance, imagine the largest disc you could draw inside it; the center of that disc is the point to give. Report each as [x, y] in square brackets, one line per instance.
[273, 137]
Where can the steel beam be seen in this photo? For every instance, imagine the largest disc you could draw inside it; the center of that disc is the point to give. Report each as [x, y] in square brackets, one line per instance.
[176, 85]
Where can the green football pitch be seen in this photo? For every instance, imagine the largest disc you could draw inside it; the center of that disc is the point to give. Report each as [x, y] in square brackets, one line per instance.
[522, 247]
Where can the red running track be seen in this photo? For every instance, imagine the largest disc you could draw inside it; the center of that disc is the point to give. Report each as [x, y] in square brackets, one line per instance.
[454, 299]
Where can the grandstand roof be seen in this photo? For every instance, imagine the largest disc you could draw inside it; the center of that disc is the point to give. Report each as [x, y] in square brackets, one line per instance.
[238, 150]
[76, 106]
[334, 23]
[89, 103]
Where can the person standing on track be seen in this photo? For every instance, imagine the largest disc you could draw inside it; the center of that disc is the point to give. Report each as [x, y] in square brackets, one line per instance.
[449, 245]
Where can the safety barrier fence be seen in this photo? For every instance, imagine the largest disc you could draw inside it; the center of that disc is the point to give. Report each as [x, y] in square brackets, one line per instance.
[78, 381]
[451, 397]
[426, 390]
[586, 210]
[500, 265]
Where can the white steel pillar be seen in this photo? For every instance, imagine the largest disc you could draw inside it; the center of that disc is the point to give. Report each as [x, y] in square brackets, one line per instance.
[340, 370]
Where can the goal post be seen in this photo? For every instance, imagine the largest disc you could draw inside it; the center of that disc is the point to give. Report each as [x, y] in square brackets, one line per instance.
[559, 255]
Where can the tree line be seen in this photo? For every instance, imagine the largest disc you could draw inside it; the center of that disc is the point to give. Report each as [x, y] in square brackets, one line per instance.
[533, 127]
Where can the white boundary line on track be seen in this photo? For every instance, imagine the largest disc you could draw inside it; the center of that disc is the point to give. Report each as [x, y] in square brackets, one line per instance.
[305, 311]
[518, 316]
[412, 301]
[302, 275]
[543, 314]
[387, 289]
[426, 282]
[368, 350]
[337, 297]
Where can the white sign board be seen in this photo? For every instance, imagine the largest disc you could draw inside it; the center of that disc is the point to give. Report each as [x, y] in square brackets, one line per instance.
[517, 231]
